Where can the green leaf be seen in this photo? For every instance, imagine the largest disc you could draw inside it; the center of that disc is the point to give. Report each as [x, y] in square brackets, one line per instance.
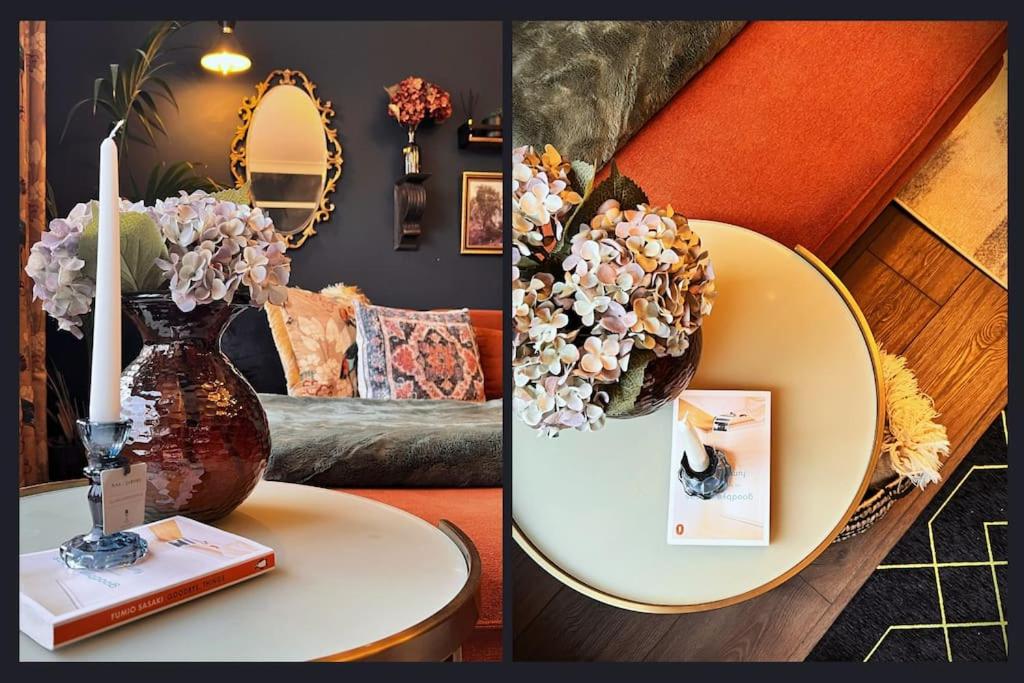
[154, 115]
[129, 89]
[165, 91]
[586, 210]
[109, 108]
[237, 195]
[71, 115]
[582, 179]
[615, 186]
[528, 266]
[51, 203]
[625, 190]
[527, 262]
[87, 242]
[622, 395]
[141, 116]
[141, 245]
[96, 86]
[166, 180]
[583, 174]
[149, 74]
[135, 185]
[135, 137]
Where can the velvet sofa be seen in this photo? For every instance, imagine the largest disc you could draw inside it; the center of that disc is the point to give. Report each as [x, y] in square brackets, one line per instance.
[475, 510]
[804, 131]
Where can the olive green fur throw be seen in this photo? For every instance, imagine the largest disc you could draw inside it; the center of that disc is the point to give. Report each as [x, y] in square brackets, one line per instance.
[587, 86]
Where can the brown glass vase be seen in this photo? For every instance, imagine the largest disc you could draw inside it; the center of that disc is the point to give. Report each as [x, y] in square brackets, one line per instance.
[665, 378]
[196, 422]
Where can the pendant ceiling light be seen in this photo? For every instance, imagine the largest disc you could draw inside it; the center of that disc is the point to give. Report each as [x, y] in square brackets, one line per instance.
[226, 56]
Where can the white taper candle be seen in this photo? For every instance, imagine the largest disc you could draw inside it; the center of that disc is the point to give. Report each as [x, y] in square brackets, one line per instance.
[696, 456]
[105, 387]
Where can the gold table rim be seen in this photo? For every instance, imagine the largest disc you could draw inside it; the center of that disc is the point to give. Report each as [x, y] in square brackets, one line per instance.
[568, 579]
[435, 638]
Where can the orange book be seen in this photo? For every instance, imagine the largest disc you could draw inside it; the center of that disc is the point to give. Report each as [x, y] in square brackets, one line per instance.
[186, 559]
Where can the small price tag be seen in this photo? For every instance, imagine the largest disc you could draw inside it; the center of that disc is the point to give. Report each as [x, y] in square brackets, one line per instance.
[124, 498]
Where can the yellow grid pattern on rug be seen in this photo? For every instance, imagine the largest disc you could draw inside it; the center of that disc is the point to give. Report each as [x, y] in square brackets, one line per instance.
[935, 565]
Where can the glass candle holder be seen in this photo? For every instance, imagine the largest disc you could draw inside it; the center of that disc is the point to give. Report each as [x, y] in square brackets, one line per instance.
[710, 482]
[96, 550]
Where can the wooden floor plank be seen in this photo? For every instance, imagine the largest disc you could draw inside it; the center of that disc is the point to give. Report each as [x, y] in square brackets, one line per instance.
[896, 310]
[755, 630]
[534, 589]
[890, 213]
[960, 357]
[920, 257]
[575, 628]
[832, 571]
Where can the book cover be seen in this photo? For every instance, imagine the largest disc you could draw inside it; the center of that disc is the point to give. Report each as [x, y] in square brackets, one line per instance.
[186, 559]
[739, 424]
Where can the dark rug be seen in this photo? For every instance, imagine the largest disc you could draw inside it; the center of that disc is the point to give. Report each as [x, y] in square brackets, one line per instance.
[942, 593]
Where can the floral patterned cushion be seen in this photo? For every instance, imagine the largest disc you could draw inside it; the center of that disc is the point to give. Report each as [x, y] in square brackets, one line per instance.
[315, 337]
[414, 354]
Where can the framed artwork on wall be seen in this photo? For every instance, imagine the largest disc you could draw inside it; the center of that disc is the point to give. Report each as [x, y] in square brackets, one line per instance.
[482, 214]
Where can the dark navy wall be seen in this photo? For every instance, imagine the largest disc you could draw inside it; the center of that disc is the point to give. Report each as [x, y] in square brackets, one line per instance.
[350, 62]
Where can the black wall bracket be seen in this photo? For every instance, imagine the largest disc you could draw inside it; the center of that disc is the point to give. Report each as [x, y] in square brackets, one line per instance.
[410, 201]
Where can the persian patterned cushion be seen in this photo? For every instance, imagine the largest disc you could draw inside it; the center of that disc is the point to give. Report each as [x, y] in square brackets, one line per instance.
[315, 337]
[417, 354]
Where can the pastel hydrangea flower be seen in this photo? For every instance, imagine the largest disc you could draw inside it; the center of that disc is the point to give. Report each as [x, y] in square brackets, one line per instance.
[632, 278]
[213, 248]
[56, 271]
[216, 246]
[541, 196]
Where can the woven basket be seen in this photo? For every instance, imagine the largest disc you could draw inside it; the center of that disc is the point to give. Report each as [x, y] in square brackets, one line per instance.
[874, 506]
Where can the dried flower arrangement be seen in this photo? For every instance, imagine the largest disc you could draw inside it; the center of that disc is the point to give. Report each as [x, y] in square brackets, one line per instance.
[602, 283]
[414, 100]
[201, 246]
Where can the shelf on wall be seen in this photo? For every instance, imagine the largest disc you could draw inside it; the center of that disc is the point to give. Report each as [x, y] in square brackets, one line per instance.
[479, 136]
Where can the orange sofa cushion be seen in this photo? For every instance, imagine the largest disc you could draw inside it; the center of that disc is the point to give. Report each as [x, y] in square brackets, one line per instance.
[478, 512]
[803, 131]
[488, 326]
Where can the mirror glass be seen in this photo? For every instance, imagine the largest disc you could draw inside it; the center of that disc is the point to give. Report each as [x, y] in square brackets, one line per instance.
[288, 154]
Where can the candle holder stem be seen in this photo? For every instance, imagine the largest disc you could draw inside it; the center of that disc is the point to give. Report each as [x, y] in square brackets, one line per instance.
[96, 550]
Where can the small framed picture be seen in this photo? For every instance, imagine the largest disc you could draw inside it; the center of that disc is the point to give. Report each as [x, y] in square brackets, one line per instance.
[482, 213]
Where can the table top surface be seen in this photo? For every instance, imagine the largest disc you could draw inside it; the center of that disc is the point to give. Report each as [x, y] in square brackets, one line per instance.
[592, 508]
[350, 571]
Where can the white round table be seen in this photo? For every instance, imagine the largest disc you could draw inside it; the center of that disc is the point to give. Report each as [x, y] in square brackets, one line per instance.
[591, 508]
[355, 579]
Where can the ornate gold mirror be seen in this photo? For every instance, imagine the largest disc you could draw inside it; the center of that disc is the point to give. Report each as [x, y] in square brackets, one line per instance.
[287, 151]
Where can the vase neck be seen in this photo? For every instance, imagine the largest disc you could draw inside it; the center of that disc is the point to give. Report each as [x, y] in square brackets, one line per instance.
[160, 321]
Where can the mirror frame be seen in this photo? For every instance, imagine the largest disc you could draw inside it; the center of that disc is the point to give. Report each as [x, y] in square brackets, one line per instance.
[334, 161]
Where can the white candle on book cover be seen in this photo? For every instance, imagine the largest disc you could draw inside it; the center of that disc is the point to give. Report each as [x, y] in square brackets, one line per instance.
[105, 386]
[696, 456]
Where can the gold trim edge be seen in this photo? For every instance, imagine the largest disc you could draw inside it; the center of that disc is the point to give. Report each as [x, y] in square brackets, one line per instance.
[441, 634]
[334, 158]
[432, 639]
[654, 608]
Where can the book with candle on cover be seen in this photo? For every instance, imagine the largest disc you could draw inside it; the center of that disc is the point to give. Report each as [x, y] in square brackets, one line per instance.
[737, 423]
[186, 559]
